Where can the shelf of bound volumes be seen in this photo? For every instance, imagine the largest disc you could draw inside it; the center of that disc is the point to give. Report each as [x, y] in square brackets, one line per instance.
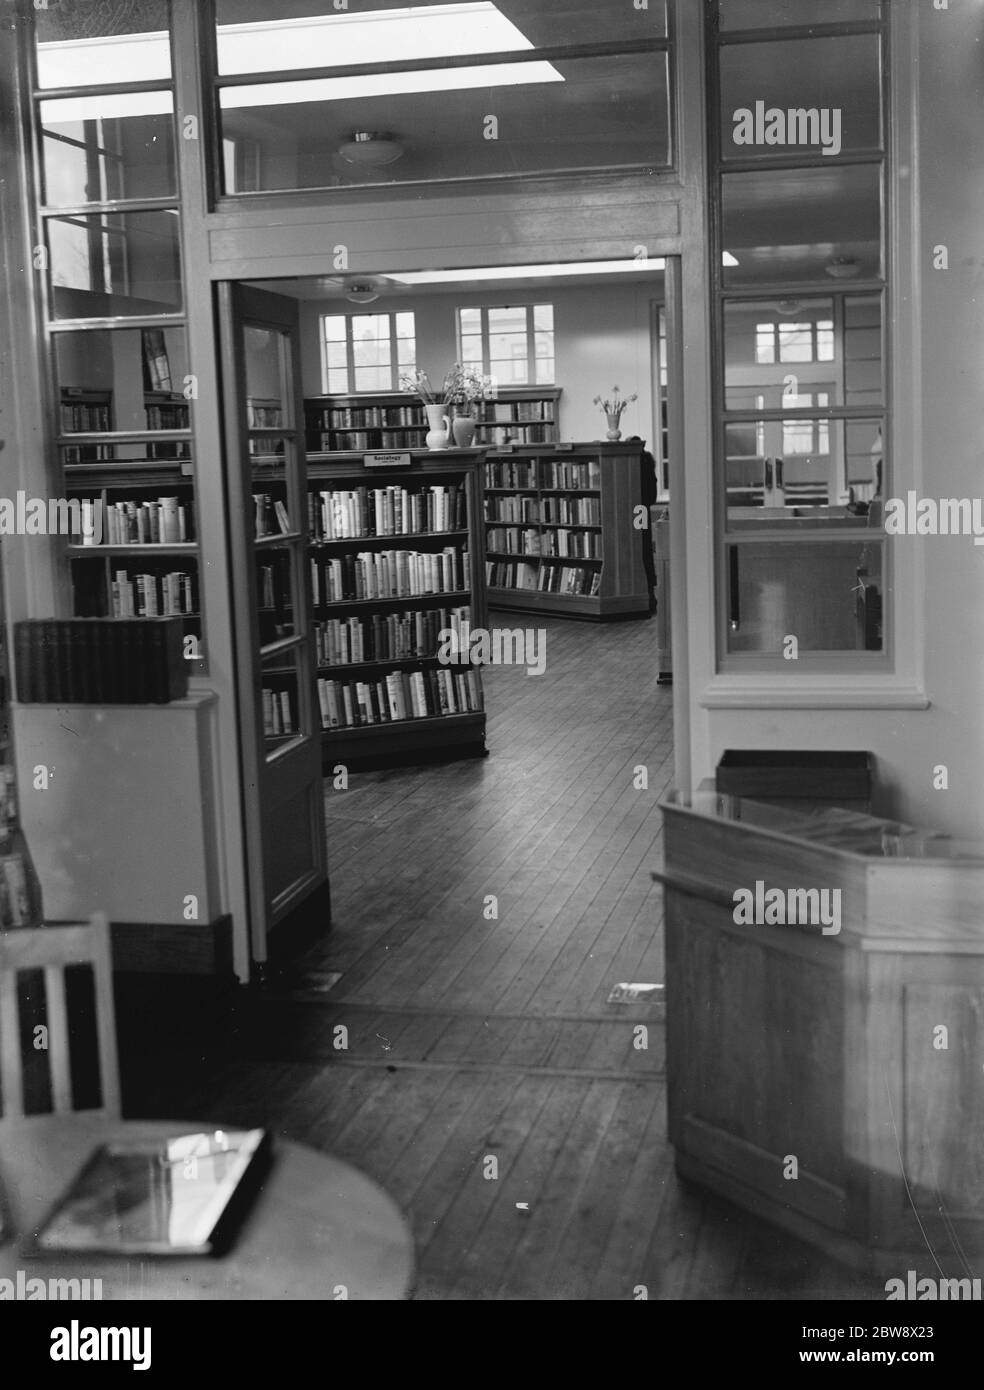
[561, 533]
[397, 570]
[396, 420]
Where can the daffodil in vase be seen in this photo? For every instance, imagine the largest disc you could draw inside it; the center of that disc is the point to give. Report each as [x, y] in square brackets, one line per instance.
[614, 408]
[464, 387]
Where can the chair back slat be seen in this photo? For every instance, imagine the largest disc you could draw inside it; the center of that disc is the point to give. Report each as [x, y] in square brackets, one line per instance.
[61, 1074]
[52, 950]
[11, 1077]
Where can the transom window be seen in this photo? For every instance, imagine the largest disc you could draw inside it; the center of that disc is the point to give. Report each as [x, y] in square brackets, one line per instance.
[366, 352]
[795, 342]
[513, 343]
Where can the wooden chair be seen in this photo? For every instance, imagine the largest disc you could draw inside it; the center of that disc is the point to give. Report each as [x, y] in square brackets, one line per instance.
[53, 949]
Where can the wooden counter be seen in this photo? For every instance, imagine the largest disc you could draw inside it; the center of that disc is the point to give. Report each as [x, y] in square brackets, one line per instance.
[858, 1054]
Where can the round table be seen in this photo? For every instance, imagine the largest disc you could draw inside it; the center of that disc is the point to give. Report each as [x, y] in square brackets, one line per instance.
[315, 1228]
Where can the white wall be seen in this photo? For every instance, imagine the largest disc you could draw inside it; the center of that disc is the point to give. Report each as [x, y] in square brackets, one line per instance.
[602, 339]
[946, 457]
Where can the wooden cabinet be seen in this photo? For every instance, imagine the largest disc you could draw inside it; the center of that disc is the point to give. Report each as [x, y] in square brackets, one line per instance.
[561, 533]
[830, 1083]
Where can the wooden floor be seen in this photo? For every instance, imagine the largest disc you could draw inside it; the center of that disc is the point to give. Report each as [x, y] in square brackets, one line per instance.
[473, 1036]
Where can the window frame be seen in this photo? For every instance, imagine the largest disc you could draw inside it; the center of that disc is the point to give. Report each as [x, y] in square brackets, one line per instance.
[350, 364]
[532, 379]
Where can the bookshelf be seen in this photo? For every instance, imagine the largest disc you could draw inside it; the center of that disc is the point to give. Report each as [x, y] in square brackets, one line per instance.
[396, 420]
[560, 533]
[133, 547]
[20, 894]
[395, 556]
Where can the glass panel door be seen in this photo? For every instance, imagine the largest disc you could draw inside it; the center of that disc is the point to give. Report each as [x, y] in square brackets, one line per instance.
[267, 488]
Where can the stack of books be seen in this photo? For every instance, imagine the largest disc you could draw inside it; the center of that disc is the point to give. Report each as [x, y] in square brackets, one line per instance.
[100, 661]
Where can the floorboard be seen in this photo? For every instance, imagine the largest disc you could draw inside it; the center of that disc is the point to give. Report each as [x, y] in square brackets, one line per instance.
[469, 1038]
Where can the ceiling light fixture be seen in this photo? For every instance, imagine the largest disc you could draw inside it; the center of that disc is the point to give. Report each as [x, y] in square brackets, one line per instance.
[371, 148]
[843, 268]
[361, 292]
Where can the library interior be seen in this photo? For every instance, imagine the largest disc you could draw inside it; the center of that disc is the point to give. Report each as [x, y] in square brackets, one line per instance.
[489, 661]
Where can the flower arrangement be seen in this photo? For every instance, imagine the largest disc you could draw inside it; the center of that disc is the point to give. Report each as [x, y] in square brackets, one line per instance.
[615, 408]
[463, 385]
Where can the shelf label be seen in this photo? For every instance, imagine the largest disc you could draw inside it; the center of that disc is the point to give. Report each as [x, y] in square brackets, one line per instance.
[399, 459]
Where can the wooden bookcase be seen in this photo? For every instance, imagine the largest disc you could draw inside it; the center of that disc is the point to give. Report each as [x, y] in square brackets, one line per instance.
[128, 573]
[396, 420]
[416, 738]
[541, 499]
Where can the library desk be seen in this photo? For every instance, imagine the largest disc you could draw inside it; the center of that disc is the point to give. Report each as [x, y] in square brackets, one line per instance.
[830, 1082]
[314, 1227]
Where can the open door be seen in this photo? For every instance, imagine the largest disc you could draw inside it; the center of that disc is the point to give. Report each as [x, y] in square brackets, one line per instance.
[280, 732]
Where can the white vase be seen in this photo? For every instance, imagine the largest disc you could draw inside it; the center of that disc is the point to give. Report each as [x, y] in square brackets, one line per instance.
[437, 438]
[463, 431]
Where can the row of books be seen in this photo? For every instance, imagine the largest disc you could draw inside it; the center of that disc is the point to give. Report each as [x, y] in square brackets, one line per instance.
[266, 445]
[547, 579]
[270, 516]
[569, 579]
[571, 511]
[342, 441]
[506, 412]
[164, 521]
[570, 473]
[264, 417]
[345, 417]
[519, 509]
[99, 661]
[168, 417]
[386, 636]
[388, 574]
[8, 800]
[152, 595]
[15, 901]
[273, 583]
[398, 696]
[387, 511]
[512, 540]
[278, 713]
[84, 418]
[494, 436]
[511, 473]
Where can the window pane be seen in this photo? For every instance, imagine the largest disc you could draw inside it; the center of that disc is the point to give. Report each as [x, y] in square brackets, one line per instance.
[595, 113]
[807, 95]
[863, 380]
[469, 321]
[544, 344]
[799, 473]
[367, 327]
[333, 327]
[373, 379]
[789, 225]
[752, 330]
[772, 14]
[371, 353]
[471, 349]
[543, 316]
[336, 354]
[114, 265]
[337, 383]
[507, 319]
[828, 594]
[82, 45]
[249, 40]
[510, 371]
[544, 370]
[405, 325]
[122, 379]
[96, 149]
